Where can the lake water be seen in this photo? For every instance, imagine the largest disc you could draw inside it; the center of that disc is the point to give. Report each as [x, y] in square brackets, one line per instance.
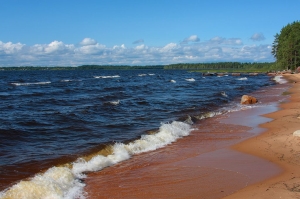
[60, 124]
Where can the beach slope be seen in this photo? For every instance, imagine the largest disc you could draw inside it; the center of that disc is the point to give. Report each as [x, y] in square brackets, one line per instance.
[277, 145]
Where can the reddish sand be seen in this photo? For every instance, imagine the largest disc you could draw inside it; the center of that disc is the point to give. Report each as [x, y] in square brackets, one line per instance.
[278, 145]
[203, 165]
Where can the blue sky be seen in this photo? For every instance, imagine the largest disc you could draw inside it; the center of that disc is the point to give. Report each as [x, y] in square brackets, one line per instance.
[140, 32]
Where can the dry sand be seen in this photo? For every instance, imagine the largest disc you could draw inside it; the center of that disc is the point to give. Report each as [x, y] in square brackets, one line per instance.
[214, 161]
[278, 145]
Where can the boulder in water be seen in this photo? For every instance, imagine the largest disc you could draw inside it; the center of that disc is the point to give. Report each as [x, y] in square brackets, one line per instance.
[246, 99]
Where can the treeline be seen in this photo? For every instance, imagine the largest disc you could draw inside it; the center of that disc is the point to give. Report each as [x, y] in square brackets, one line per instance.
[83, 67]
[118, 67]
[29, 68]
[218, 66]
[223, 66]
[286, 46]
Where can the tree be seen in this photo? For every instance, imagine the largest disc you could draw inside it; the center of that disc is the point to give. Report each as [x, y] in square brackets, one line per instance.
[286, 46]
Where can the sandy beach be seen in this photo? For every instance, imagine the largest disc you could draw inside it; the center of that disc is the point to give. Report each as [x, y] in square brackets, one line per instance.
[277, 145]
[245, 154]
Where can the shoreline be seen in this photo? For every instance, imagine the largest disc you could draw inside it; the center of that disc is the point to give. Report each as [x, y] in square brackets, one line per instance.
[277, 145]
[200, 164]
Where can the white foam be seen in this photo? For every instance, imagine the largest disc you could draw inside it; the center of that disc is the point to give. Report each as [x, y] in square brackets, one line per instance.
[151, 74]
[30, 83]
[190, 79]
[105, 77]
[173, 81]
[55, 183]
[279, 79]
[142, 75]
[64, 183]
[242, 78]
[115, 103]
[168, 133]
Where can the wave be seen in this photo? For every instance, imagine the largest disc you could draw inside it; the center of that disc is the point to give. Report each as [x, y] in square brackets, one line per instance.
[142, 75]
[190, 79]
[30, 83]
[115, 103]
[105, 77]
[278, 79]
[66, 181]
[243, 78]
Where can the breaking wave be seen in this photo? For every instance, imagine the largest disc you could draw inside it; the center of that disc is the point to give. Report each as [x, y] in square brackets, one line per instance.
[105, 77]
[30, 83]
[278, 79]
[65, 182]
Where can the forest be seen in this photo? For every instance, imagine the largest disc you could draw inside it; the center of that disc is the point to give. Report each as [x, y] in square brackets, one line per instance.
[217, 67]
[286, 46]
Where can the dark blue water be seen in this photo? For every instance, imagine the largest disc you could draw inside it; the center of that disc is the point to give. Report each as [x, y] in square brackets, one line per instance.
[50, 115]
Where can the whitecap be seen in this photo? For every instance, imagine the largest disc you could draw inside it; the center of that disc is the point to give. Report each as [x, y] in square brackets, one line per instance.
[224, 94]
[242, 78]
[279, 79]
[30, 83]
[65, 183]
[115, 103]
[142, 75]
[190, 79]
[105, 77]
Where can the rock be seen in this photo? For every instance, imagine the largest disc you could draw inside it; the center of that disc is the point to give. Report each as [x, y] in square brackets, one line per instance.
[246, 99]
[296, 133]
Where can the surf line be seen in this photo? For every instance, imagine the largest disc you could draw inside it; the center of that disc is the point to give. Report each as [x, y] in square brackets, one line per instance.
[67, 181]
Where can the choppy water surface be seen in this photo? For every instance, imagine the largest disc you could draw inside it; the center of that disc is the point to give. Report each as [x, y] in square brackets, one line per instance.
[51, 117]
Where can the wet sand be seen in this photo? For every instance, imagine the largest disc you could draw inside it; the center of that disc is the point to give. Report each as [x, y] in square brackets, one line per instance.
[277, 145]
[212, 162]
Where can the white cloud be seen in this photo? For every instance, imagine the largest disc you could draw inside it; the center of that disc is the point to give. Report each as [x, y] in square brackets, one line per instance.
[10, 48]
[91, 49]
[169, 47]
[257, 37]
[192, 38]
[141, 47]
[224, 41]
[59, 53]
[57, 46]
[88, 41]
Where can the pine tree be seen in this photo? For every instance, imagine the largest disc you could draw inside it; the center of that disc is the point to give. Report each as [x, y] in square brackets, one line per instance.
[286, 46]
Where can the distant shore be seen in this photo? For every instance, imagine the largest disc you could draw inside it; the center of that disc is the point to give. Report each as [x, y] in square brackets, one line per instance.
[216, 67]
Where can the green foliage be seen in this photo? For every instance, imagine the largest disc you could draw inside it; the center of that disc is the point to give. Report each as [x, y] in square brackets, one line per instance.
[217, 67]
[225, 66]
[286, 46]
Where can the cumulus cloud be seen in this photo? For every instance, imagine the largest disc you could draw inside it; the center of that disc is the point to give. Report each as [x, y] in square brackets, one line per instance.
[90, 49]
[88, 41]
[257, 37]
[141, 47]
[10, 48]
[57, 46]
[224, 41]
[192, 38]
[139, 41]
[61, 54]
[169, 47]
